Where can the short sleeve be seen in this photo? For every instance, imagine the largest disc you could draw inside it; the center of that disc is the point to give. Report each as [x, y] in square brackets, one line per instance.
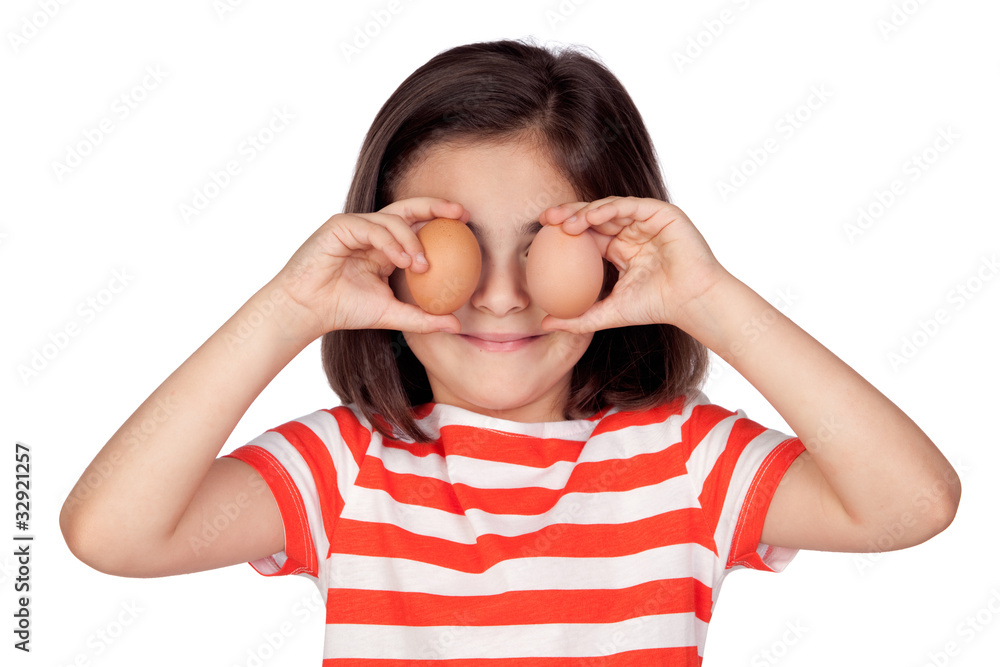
[308, 464]
[736, 465]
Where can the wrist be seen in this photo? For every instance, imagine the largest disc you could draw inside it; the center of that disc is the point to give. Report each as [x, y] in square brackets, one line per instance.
[273, 315]
[728, 317]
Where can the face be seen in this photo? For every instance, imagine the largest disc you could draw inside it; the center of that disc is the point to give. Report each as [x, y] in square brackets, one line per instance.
[504, 187]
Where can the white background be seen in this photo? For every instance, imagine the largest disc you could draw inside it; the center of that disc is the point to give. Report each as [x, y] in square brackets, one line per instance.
[888, 95]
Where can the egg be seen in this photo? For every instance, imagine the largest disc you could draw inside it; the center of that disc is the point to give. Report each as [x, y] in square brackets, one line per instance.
[455, 263]
[564, 272]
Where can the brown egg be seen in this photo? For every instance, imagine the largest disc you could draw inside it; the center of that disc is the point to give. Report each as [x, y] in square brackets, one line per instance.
[455, 264]
[564, 272]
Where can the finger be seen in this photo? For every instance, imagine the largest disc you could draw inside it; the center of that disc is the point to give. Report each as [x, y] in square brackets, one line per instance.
[555, 215]
[583, 219]
[567, 215]
[407, 317]
[409, 253]
[625, 210]
[628, 210]
[603, 241]
[614, 214]
[406, 216]
[602, 315]
[419, 209]
[386, 234]
[399, 241]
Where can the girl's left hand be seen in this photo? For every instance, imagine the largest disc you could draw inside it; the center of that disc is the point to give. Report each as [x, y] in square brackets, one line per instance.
[664, 263]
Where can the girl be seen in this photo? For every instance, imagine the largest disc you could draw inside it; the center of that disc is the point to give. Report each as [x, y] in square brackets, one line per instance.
[499, 483]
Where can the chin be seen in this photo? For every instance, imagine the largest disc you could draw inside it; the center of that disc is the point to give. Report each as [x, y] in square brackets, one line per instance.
[518, 408]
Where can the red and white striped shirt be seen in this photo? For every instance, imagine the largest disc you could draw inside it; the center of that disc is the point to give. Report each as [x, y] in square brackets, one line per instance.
[599, 541]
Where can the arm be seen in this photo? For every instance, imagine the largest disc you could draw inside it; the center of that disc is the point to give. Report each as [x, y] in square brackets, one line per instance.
[159, 472]
[867, 470]
[142, 506]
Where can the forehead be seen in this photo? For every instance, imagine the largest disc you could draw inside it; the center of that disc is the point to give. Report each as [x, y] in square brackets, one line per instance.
[503, 185]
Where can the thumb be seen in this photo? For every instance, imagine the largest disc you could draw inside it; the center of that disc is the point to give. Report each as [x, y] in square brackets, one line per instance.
[601, 315]
[407, 317]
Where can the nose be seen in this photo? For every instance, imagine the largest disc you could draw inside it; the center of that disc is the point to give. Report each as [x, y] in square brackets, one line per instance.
[502, 287]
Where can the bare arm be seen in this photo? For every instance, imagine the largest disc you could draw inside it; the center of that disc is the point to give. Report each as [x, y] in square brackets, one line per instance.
[127, 506]
[148, 502]
[868, 470]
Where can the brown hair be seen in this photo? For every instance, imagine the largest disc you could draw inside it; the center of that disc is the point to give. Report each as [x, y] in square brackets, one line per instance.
[595, 136]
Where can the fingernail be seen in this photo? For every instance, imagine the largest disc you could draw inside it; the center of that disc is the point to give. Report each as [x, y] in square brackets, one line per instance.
[570, 218]
[421, 259]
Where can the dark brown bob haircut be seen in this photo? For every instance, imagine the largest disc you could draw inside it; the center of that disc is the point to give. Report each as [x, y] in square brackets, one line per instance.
[492, 91]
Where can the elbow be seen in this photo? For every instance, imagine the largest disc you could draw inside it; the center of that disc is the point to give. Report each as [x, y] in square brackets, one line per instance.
[89, 541]
[936, 506]
[947, 504]
[104, 545]
[940, 499]
[69, 525]
[916, 519]
[79, 536]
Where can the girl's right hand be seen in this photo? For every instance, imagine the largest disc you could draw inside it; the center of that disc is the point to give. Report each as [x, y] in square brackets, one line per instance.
[338, 278]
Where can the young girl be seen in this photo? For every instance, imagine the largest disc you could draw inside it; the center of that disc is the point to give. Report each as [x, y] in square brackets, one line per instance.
[499, 483]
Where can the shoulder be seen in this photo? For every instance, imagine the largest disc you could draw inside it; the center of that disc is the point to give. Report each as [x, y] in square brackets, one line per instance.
[322, 433]
[689, 423]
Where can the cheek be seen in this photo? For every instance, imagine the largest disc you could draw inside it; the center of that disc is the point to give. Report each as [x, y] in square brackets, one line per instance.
[574, 346]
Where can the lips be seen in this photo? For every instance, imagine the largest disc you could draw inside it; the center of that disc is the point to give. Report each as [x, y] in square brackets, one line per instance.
[499, 342]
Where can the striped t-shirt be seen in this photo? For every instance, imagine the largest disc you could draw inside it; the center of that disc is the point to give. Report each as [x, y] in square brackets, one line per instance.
[599, 541]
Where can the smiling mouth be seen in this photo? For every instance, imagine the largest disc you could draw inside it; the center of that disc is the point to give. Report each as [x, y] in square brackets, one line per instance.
[503, 344]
